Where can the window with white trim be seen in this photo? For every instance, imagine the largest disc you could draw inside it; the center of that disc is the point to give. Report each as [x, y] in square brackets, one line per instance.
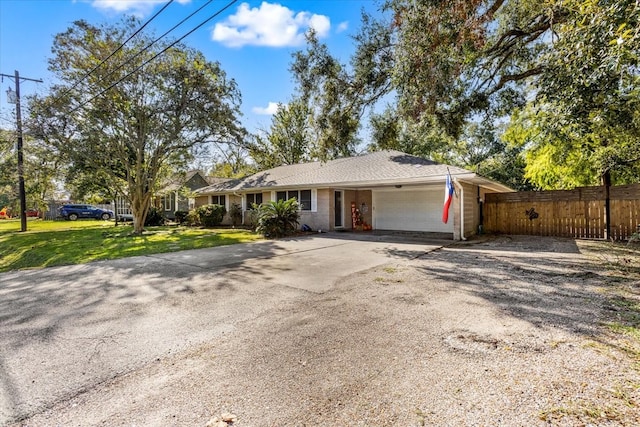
[218, 200]
[253, 198]
[302, 196]
[167, 202]
[305, 200]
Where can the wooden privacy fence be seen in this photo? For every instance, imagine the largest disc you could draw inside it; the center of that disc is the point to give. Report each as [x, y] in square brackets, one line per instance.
[578, 213]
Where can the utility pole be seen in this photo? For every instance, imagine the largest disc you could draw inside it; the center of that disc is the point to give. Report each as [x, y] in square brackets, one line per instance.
[21, 190]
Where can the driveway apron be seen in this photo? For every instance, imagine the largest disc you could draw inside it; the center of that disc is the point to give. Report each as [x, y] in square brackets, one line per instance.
[64, 330]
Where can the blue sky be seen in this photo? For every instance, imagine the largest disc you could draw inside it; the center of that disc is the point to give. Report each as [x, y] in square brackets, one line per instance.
[253, 40]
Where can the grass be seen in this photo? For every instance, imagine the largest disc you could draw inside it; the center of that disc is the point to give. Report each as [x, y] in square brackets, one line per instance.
[580, 411]
[621, 264]
[51, 243]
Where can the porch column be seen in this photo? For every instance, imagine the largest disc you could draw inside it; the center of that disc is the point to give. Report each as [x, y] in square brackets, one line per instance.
[456, 204]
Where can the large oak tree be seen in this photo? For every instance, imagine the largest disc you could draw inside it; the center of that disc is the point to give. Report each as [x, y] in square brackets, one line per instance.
[135, 114]
[456, 71]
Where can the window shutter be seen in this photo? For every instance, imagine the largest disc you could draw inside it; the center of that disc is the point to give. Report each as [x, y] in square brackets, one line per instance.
[314, 200]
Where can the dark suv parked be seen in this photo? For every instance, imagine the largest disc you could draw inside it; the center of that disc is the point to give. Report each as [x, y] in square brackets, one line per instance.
[73, 212]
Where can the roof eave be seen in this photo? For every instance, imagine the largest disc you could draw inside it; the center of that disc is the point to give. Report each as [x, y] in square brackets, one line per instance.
[469, 177]
[488, 183]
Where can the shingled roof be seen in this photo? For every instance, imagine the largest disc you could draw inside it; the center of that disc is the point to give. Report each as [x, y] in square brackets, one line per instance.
[372, 169]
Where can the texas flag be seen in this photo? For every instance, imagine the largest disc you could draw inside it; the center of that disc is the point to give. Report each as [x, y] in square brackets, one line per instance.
[448, 196]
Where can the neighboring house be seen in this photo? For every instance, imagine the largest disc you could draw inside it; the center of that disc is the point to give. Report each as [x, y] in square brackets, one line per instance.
[387, 190]
[171, 198]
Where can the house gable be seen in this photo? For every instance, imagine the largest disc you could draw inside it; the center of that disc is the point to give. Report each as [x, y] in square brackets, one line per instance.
[197, 180]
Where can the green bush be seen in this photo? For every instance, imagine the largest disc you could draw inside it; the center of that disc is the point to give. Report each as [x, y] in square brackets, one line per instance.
[154, 218]
[251, 216]
[192, 218]
[277, 219]
[235, 212]
[181, 216]
[211, 215]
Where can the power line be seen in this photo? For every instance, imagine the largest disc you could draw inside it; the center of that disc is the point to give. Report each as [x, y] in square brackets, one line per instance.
[228, 5]
[118, 49]
[144, 49]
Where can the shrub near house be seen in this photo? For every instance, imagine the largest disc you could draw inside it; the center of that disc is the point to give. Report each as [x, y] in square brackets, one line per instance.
[211, 215]
[181, 216]
[154, 218]
[278, 219]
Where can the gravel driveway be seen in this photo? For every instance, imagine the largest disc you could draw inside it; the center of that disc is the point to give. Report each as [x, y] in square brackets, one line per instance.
[506, 331]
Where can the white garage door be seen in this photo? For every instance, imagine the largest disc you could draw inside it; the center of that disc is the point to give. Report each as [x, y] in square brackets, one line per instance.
[410, 210]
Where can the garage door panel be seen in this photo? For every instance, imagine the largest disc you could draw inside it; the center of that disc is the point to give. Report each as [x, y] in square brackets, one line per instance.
[410, 210]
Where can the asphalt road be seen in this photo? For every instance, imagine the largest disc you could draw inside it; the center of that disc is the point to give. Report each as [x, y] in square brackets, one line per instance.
[66, 330]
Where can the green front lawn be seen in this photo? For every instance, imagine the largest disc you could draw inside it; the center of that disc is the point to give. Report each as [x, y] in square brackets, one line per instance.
[49, 243]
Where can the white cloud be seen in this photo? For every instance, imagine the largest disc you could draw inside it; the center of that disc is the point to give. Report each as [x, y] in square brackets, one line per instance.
[342, 27]
[269, 110]
[269, 25]
[136, 7]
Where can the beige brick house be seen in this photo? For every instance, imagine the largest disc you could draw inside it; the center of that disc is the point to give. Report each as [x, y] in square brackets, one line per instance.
[384, 190]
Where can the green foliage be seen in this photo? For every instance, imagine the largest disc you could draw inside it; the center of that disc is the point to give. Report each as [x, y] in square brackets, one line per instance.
[465, 59]
[231, 162]
[153, 120]
[154, 217]
[386, 131]
[251, 216]
[457, 72]
[507, 167]
[448, 96]
[235, 213]
[181, 216]
[211, 215]
[279, 218]
[338, 97]
[552, 160]
[8, 171]
[42, 165]
[589, 95]
[84, 181]
[577, 60]
[422, 138]
[192, 218]
[288, 141]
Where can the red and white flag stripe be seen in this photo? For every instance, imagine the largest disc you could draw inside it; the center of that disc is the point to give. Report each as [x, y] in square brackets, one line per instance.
[448, 197]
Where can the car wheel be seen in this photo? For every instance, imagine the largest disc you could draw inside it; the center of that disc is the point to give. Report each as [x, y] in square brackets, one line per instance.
[73, 217]
[105, 216]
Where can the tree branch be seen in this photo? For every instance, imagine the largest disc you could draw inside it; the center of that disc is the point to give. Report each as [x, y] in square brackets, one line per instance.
[515, 77]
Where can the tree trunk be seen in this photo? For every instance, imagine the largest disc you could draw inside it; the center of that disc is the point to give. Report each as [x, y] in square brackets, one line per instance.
[140, 203]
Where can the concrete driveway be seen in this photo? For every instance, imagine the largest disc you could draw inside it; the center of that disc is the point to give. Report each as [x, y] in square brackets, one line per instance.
[65, 330]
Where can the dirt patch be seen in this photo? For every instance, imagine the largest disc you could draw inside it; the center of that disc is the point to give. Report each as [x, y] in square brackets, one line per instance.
[509, 331]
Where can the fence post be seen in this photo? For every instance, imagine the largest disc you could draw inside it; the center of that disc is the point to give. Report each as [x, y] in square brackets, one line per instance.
[606, 178]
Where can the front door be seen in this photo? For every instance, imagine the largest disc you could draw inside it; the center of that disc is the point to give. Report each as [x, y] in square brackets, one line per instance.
[338, 211]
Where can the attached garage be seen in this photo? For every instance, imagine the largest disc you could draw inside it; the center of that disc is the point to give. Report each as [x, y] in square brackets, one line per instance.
[410, 209]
